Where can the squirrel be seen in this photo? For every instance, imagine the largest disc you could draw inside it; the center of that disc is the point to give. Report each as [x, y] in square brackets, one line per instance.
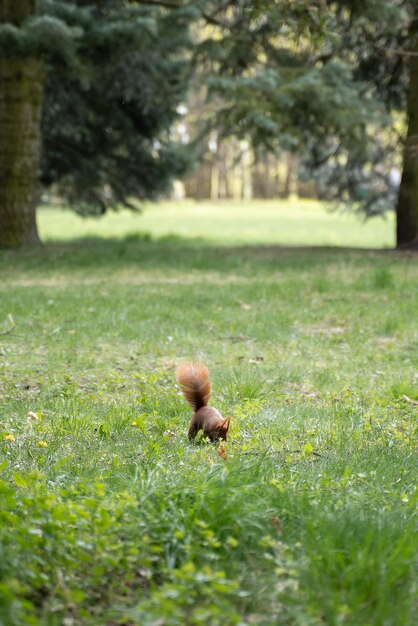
[195, 385]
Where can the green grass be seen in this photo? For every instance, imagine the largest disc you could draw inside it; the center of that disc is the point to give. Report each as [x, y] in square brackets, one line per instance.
[295, 222]
[109, 516]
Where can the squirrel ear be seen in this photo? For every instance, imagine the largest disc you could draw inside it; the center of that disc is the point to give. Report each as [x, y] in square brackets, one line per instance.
[226, 423]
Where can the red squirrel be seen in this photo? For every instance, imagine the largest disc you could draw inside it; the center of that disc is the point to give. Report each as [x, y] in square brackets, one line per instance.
[195, 385]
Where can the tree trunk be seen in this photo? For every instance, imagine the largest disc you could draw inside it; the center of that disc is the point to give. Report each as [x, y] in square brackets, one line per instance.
[407, 208]
[21, 86]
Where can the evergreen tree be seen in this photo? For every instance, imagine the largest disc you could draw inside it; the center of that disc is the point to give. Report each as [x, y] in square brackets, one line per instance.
[112, 74]
[318, 78]
[107, 117]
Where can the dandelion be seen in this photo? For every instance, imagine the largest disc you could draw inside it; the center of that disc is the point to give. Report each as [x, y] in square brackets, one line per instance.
[10, 438]
[42, 444]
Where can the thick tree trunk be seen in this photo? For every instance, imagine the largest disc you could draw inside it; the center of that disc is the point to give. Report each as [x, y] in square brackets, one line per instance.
[407, 209]
[21, 82]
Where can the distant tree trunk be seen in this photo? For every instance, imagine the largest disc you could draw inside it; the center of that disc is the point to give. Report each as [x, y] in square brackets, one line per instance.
[21, 82]
[407, 209]
[214, 179]
[290, 182]
[288, 179]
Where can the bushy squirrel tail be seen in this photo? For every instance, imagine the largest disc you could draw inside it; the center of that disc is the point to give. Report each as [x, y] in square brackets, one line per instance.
[195, 384]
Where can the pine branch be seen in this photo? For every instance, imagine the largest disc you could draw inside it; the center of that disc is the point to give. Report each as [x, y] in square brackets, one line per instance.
[210, 19]
[159, 3]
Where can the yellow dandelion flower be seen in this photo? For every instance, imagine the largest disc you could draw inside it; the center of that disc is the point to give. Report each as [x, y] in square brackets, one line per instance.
[10, 438]
[42, 444]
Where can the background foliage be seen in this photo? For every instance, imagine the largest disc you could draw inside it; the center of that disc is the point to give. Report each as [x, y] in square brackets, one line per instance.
[319, 79]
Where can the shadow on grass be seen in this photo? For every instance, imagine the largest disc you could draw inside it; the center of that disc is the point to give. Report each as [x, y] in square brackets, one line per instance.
[175, 252]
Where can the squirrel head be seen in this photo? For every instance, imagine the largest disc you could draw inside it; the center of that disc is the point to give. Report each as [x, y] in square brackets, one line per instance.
[221, 431]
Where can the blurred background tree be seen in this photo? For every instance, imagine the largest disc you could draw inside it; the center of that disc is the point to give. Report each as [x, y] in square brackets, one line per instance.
[111, 74]
[108, 115]
[281, 97]
[326, 82]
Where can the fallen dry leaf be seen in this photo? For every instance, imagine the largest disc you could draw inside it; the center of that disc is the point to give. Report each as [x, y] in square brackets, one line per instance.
[222, 451]
[277, 524]
[410, 400]
[309, 394]
[256, 359]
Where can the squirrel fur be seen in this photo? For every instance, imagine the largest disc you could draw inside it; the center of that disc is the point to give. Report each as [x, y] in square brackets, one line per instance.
[194, 382]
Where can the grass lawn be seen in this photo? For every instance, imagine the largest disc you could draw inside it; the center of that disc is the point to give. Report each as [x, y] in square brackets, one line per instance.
[109, 516]
[296, 222]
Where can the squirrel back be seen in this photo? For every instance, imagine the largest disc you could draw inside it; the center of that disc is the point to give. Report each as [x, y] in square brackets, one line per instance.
[195, 384]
